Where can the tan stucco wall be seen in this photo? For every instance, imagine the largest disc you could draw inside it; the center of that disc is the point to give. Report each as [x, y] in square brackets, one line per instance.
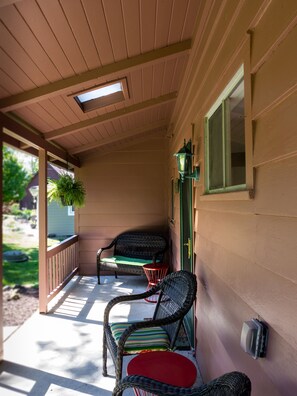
[245, 250]
[126, 190]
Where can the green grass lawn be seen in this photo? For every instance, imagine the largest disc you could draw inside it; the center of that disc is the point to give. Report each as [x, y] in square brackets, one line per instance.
[18, 237]
[21, 273]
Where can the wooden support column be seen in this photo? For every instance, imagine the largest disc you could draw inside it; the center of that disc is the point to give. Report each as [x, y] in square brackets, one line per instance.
[1, 242]
[42, 228]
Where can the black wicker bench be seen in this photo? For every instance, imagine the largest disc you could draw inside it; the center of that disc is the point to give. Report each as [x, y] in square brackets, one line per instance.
[131, 250]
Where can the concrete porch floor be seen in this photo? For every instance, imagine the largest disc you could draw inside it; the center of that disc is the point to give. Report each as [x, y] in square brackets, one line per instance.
[61, 353]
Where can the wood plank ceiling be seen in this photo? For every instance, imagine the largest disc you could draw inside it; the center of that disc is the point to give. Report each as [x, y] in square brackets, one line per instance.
[51, 49]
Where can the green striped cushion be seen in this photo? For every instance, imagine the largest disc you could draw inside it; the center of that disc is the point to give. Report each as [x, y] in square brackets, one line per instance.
[148, 339]
[125, 260]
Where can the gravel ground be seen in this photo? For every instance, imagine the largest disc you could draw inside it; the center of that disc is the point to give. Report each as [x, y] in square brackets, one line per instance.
[19, 303]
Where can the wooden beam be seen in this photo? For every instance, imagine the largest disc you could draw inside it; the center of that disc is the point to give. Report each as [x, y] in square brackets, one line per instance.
[17, 144]
[63, 86]
[33, 151]
[20, 132]
[42, 231]
[5, 3]
[161, 133]
[125, 135]
[58, 133]
[10, 141]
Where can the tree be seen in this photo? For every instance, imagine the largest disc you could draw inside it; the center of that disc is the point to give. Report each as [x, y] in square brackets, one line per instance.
[32, 166]
[15, 178]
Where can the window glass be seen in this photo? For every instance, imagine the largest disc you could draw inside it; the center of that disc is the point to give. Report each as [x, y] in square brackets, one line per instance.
[215, 150]
[225, 139]
[235, 139]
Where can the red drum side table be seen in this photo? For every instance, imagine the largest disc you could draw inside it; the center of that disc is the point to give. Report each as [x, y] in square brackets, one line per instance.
[168, 367]
[154, 273]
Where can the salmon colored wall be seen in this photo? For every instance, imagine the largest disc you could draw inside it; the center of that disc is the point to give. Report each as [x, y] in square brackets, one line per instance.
[1, 266]
[246, 249]
[126, 190]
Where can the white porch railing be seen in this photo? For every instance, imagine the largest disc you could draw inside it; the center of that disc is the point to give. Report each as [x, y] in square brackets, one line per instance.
[62, 265]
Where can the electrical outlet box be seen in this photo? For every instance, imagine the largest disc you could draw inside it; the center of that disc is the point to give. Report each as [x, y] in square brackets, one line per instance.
[254, 337]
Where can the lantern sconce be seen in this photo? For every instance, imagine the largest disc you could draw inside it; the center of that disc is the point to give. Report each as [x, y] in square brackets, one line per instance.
[184, 163]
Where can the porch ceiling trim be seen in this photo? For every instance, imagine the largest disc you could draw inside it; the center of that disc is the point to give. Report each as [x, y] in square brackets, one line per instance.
[14, 129]
[63, 86]
[16, 143]
[58, 133]
[133, 132]
[5, 3]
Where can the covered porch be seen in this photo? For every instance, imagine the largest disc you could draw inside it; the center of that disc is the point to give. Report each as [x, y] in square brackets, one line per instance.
[217, 75]
[61, 353]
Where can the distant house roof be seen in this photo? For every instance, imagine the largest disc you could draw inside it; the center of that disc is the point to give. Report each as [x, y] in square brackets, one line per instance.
[53, 172]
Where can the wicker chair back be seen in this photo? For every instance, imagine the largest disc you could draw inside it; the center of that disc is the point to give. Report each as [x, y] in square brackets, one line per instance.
[140, 245]
[177, 294]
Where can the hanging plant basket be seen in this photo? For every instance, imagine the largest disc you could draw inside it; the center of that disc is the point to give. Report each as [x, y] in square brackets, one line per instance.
[67, 191]
[64, 202]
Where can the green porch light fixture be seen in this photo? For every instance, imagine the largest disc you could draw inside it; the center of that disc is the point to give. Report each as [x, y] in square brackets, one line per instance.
[184, 163]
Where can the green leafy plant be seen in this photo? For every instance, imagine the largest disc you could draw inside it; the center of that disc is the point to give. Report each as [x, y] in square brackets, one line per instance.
[21, 214]
[67, 191]
[15, 178]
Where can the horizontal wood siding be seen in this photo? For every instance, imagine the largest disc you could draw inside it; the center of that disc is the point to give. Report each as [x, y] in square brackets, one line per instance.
[245, 251]
[58, 221]
[126, 190]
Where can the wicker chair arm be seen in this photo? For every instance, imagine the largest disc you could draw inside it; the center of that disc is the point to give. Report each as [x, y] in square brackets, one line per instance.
[230, 384]
[105, 248]
[131, 297]
[99, 254]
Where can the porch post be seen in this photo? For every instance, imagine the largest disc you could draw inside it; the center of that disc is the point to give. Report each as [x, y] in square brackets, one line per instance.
[42, 228]
[1, 241]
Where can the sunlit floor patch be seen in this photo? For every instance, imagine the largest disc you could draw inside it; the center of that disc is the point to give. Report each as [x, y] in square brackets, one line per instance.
[61, 353]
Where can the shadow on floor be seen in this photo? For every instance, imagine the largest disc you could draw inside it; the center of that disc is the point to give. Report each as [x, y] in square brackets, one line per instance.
[60, 353]
[38, 382]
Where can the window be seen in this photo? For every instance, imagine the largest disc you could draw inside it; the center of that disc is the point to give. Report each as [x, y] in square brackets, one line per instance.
[225, 140]
[70, 210]
[102, 95]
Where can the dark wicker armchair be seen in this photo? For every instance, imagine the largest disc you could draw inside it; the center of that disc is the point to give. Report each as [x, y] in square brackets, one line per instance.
[177, 292]
[230, 384]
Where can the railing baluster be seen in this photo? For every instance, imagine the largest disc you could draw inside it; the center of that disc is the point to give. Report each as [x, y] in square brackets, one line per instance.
[62, 265]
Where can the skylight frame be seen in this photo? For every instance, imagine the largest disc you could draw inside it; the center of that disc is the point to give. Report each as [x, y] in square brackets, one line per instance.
[102, 101]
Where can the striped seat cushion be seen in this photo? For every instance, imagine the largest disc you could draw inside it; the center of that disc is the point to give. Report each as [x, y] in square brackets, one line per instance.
[148, 339]
[126, 260]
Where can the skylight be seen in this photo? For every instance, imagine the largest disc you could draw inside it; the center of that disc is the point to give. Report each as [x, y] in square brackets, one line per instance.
[102, 96]
[99, 92]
